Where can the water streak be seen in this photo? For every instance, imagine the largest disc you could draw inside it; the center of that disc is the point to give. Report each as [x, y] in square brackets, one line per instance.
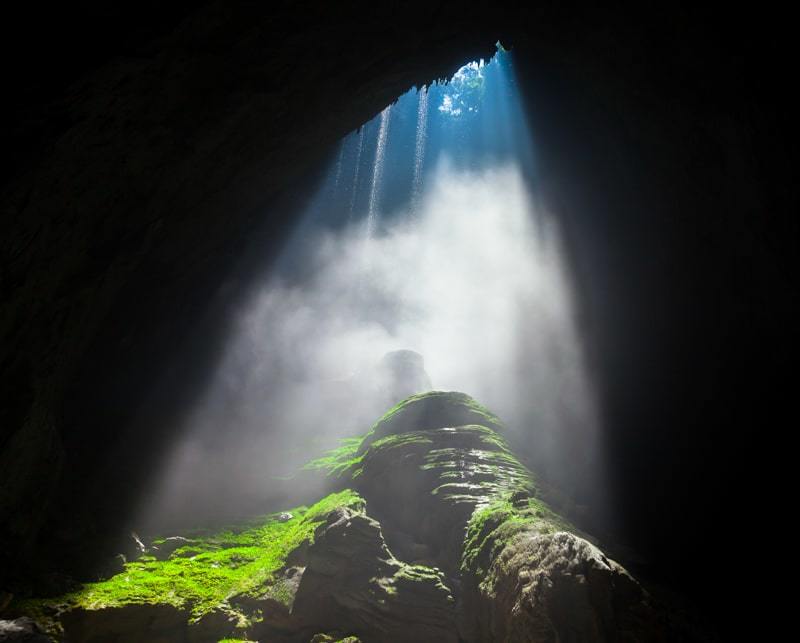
[339, 166]
[355, 174]
[419, 149]
[377, 171]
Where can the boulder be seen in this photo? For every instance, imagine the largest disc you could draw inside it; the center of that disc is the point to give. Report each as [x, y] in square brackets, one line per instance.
[559, 588]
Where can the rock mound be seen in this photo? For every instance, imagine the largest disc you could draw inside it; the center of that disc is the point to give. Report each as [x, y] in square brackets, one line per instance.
[432, 410]
[425, 485]
[549, 588]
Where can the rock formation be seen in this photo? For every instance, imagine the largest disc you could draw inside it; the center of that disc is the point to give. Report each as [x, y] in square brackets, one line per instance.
[436, 533]
[402, 373]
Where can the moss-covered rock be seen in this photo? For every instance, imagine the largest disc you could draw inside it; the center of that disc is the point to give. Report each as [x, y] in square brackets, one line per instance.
[529, 576]
[192, 594]
[457, 544]
[425, 485]
[550, 587]
[432, 410]
[492, 527]
[339, 465]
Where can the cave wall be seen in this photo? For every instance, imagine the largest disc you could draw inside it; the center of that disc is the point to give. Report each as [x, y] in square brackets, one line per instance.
[150, 164]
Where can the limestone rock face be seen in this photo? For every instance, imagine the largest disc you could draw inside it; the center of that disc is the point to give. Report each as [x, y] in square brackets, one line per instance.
[354, 583]
[560, 588]
[425, 485]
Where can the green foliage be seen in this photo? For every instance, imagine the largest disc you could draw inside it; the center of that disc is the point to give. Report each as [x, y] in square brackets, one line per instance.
[237, 560]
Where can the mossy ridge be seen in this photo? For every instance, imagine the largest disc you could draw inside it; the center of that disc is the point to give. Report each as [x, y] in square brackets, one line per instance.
[343, 464]
[427, 411]
[233, 563]
[480, 469]
[492, 527]
[472, 438]
[342, 467]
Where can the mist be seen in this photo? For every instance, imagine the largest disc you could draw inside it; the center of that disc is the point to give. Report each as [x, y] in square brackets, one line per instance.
[473, 280]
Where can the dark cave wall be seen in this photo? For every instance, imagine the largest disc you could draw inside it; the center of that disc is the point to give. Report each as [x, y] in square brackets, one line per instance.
[145, 172]
[668, 171]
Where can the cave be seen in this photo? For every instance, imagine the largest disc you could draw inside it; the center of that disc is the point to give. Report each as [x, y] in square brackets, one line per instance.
[164, 162]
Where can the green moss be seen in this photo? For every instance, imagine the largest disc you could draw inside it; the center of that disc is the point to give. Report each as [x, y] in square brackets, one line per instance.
[431, 410]
[403, 440]
[238, 560]
[492, 527]
[420, 574]
[340, 463]
[411, 577]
